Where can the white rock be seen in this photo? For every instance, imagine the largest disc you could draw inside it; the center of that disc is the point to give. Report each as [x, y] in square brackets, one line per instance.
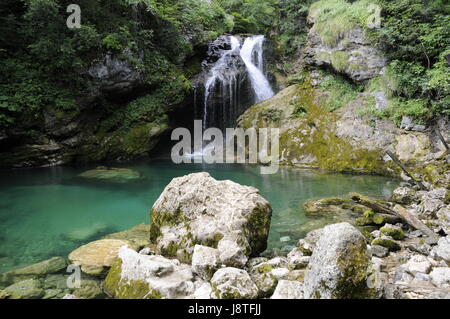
[197, 209]
[203, 292]
[440, 277]
[205, 261]
[442, 250]
[233, 283]
[233, 250]
[339, 265]
[418, 264]
[287, 289]
[280, 273]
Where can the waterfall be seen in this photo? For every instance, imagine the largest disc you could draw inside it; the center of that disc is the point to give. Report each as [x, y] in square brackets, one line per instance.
[234, 80]
[253, 50]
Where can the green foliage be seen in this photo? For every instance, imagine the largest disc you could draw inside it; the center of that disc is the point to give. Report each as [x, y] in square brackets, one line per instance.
[415, 30]
[340, 92]
[335, 17]
[339, 60]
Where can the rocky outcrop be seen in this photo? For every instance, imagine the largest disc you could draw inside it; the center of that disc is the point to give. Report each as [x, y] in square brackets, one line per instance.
[197, 209]
[354, 55]
[339, 265]
[114, 74]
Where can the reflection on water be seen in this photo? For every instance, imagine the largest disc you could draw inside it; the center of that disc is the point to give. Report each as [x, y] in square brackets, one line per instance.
[48, 212]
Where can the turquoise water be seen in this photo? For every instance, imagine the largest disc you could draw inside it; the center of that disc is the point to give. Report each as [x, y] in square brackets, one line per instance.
[41, 208]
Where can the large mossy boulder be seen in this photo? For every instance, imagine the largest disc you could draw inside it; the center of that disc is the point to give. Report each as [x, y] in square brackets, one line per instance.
[197, 209]
[96, 257]
[339, 266]
[136, 276]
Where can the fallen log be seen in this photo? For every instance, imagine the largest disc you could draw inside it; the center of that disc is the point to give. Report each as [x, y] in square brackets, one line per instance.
[415, 222]
[379, 207]
[376, 205]
[403, 167]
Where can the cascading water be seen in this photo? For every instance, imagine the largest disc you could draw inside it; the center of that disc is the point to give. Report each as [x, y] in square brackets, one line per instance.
[235, 81]
[253, 50]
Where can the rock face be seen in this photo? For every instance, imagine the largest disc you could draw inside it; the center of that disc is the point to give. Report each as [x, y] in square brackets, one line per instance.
[233, 283]
[113, 74]
[339, 265]
[95, 257]
[353, 55]
[197, 209]
[136, 276]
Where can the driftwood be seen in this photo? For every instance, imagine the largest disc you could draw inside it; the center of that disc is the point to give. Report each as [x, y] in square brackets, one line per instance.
[415, 222]
[379, 207]
[438, 133]
[403, 167]
[376, 205]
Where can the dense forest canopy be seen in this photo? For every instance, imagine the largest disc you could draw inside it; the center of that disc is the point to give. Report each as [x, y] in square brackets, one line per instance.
[43, 63]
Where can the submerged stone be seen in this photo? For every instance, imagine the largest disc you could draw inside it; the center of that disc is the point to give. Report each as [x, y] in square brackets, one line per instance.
[94, 258]
[118, 175]
[27, 289]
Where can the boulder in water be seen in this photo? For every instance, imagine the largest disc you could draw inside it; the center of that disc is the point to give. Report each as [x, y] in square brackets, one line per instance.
[27, 289]
[197, 209]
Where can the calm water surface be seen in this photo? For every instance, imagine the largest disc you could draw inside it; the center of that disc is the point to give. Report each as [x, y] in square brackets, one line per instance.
[41, 208]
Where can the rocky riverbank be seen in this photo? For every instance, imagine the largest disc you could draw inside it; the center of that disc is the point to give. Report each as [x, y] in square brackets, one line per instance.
[206, 240]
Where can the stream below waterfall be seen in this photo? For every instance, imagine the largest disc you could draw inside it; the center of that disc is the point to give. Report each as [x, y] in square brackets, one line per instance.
[40, 207]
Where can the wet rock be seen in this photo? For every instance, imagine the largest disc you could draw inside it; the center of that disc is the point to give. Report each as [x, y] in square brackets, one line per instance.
[50, 266]
[379, 251]
[327, 206]
[233, 283]
[287, 289]
[199, 209]
[205, 261]
[27, 289]
[418, 264]
[135, 276]
[339, 265]
[118, 175]
[440, 277]
[89, 289]
[88, 233]
[3, 294]
[58, 281]
[95, 257]
[51, 293]
[137, 235]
